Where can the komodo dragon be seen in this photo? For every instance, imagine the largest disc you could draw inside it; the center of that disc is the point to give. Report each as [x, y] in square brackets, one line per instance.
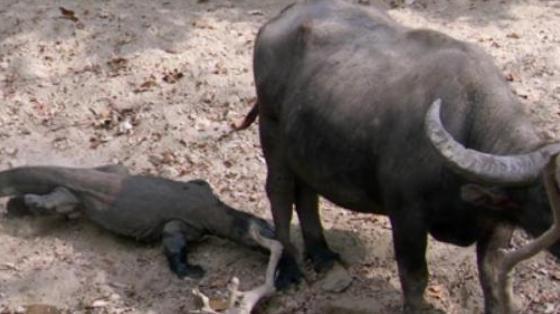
[146, 208]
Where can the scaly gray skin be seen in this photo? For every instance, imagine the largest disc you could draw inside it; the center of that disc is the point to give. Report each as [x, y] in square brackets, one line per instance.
[145, 208]
[342, 95]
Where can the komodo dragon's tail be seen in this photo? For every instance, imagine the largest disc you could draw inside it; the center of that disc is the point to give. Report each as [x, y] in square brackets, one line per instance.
[249, 118]
[44, 179]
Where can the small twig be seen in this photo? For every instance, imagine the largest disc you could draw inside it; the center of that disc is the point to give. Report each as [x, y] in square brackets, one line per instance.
[8, 266]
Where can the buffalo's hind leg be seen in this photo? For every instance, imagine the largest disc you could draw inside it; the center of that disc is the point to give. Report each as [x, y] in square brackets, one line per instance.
[410, 239]
[280, 189]
[175, 237]
[316, 247]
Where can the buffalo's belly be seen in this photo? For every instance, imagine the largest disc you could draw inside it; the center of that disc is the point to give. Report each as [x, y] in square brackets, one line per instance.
[461, 233]
[349, 198]
[454, 221]
[338, 178]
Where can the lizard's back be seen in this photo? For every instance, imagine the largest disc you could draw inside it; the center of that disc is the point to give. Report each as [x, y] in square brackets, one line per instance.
[144, 204]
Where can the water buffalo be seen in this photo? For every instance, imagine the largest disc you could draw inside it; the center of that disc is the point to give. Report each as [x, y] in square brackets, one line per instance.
[342, 96]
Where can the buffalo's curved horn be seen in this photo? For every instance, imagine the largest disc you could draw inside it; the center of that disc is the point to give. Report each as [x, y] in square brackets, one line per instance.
[482, 167]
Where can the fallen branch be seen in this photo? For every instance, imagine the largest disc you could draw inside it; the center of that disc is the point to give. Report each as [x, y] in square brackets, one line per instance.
[551, 177]
[240, 302]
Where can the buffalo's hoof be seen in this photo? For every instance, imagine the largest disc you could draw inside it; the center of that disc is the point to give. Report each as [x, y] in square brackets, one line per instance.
[419, 306]
[322, 259]
[195, 272]
[336, 280]
[287, 273]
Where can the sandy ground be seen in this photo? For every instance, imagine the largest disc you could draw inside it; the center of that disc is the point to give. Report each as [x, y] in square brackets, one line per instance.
[154, 85]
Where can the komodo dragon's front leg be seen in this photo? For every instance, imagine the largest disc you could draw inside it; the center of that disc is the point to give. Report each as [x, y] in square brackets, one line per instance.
[175, 238]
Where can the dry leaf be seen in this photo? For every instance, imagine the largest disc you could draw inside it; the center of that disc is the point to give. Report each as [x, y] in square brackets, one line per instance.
[146, 86]
[218, 304]
[256, 12]
[202, 24]
[220, 69]
[510, 77]
[8, 266]
[435, 291]
[68, 14]
[168, 158]
[97, 304]
[41, 309]
[117, 66]
[97, 140]
[172, 76]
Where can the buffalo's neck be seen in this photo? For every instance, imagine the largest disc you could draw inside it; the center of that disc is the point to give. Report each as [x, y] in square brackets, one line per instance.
[527, 216]
[501, 126]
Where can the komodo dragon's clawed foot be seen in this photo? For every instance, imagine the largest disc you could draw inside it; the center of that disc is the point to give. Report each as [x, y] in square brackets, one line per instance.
[183, 270]
[61, 201]
[16, 207]
[178, 264]
[177, 259]
[322, 259]
[37, 205]
[175, 237]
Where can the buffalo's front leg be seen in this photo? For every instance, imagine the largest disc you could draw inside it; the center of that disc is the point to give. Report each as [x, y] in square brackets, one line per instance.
[316, 247]
[489, 259]
[280, 189]
[175, 237]
[410, 240]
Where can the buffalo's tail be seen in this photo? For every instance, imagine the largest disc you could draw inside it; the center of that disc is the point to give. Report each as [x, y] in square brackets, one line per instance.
[249, 118]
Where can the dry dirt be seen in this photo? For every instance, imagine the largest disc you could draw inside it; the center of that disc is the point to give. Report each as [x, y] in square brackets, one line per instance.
[155, 85]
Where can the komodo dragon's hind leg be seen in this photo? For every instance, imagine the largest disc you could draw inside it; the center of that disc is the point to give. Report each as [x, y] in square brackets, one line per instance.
[175, 237]
[59, 201]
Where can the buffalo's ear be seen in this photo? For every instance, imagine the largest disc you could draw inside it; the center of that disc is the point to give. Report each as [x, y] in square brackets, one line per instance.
[489, 197]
